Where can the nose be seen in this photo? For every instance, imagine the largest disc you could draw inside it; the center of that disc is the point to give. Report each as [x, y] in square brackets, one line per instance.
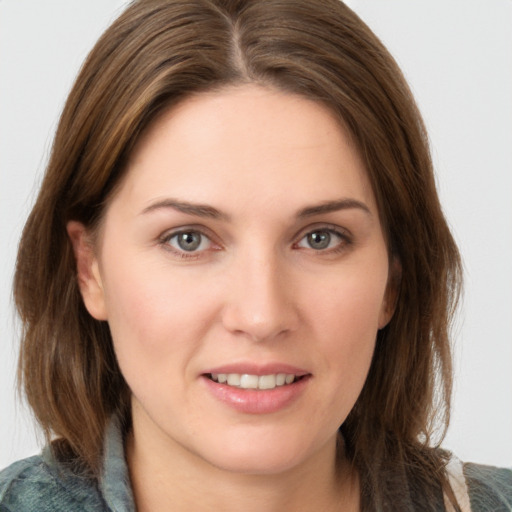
[260, 301]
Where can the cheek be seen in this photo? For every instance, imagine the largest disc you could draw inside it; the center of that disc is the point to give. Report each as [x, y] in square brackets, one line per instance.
[351, 302]
[157, 318]
[144, 296]
[151, 331]
[346, 320]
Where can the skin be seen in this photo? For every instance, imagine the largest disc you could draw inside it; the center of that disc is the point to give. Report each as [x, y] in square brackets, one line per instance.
[255, 290]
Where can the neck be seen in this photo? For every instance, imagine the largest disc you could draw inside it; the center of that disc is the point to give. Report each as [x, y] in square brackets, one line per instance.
[175, 478]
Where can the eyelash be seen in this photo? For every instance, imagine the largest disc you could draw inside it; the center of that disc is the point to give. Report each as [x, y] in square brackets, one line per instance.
[344, 236]
[166, 238]
[345, 239]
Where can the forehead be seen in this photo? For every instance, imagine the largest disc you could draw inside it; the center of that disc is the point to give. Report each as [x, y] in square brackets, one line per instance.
[246, 145]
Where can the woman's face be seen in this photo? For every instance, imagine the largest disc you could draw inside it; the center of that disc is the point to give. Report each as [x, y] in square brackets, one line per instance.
[244, 245]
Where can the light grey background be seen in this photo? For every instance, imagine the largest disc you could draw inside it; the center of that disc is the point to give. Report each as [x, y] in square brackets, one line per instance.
[457, 56]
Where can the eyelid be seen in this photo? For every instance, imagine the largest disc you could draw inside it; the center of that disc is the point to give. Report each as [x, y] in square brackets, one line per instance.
[167, 235]
[343, 233]
[164, 238]
[325, 226]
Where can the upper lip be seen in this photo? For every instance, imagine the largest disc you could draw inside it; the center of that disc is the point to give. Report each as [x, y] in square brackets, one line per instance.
[251, 368]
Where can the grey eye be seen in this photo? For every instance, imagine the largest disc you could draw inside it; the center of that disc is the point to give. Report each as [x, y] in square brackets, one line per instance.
[319, 239]
[189, 241]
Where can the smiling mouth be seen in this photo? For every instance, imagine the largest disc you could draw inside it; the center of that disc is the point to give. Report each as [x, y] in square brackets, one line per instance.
[247, 381]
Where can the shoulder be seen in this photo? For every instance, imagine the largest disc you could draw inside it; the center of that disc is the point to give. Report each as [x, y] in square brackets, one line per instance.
[38, 484]
[490, 488]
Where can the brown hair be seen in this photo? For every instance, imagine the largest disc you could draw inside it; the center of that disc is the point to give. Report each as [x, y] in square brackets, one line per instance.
[155, 54]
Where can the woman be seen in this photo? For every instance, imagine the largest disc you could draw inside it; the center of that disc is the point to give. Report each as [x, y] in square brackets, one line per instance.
[247, 276]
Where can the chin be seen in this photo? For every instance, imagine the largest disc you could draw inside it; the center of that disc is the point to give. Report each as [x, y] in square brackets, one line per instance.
[257, 456]
[256, 464]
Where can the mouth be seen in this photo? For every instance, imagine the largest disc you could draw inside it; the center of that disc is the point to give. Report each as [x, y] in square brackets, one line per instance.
[248, 381]
[249, 388]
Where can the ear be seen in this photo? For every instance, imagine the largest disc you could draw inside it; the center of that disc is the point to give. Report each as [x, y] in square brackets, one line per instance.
[392, 291]
[88, 273]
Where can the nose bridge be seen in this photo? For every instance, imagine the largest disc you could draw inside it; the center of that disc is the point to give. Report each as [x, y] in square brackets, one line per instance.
[259, 304]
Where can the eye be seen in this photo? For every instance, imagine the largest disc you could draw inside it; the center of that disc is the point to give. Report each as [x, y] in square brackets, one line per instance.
[188, 241]
[322, 239]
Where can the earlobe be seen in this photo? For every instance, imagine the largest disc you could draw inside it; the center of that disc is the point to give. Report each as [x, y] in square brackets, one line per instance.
[87, 267]
[392, 291]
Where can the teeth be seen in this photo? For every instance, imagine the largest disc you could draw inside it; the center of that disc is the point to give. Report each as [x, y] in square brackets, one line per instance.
[234, 379]
[249, 381]
[267, 382]
[280, 379]
[246, 381]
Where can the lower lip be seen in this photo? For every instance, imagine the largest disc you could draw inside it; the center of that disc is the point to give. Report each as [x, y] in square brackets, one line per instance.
[253, 401]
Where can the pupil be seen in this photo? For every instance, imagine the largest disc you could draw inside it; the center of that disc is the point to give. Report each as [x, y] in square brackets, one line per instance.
[189, 241]
[319, 239]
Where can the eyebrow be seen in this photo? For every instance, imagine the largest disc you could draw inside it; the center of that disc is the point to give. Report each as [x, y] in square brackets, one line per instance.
[207, 211]
[333, 206]
[199, 210]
